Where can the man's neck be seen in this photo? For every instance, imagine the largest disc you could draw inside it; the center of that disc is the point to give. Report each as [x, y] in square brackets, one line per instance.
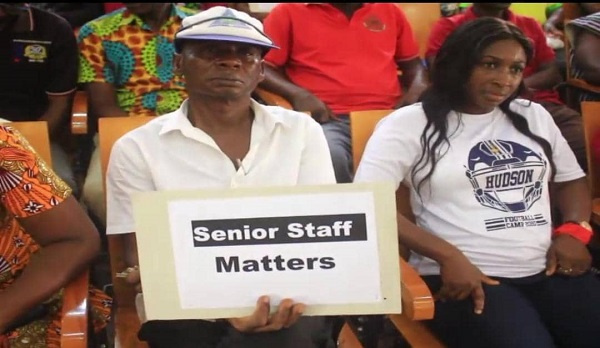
[348, 8]
[157, 17]
[213, 115]
[480, 12]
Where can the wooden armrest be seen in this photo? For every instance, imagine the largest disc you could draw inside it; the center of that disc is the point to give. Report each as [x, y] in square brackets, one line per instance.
[417, 302]
[582, 84]
[272, 98]
[74, 324]
[79, 123]
[596, 211]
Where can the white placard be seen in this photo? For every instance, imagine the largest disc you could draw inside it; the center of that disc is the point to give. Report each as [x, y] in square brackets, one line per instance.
[222, 249]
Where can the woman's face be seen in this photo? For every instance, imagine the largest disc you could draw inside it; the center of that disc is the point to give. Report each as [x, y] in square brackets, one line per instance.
[496, 76]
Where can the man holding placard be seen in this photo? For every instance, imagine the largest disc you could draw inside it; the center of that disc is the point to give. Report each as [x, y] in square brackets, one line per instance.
[221, 138]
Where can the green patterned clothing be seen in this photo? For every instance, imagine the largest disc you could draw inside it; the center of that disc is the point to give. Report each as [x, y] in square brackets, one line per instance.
[120, 49]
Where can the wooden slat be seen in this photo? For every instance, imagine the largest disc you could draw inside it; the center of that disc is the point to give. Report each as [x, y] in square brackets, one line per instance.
[127, 324]
[74, 324]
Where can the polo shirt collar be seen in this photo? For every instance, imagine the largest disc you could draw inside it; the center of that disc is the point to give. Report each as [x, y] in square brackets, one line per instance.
[127, 17]
[18, 27]
[263, 119]
[470, 14]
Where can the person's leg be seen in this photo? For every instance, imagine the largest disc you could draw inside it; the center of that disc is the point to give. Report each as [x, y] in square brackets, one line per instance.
[508, 320]
[181, 333]
[62, 167]
[93, 190]
[570, 306]
[337, 134]
[570, 124]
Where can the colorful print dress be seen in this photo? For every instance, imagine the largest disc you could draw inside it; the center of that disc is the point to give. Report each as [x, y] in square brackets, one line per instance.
[29, 187]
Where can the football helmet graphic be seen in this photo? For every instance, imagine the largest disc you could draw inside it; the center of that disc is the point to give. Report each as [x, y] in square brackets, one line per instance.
[505, 175]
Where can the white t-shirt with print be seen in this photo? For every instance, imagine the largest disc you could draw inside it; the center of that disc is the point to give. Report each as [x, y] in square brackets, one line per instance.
[488, 195]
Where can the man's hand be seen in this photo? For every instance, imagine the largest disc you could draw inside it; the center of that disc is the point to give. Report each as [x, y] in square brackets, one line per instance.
[260, 321]
[307, 102]
[133, 278]
[567, 256]
[460, 278]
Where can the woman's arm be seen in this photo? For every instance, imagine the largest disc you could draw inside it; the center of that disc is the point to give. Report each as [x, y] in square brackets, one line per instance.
[68, 241]
[460, 277]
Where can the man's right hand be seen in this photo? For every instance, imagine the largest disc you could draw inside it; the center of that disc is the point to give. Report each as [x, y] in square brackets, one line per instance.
[260, 321]
[307, 102]
[133, 278]
[461, 279]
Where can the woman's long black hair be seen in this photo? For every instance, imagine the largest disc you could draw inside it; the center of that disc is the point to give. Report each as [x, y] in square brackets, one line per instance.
[453, 65]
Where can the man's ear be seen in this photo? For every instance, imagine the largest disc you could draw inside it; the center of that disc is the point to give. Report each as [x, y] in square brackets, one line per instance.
[178, 64]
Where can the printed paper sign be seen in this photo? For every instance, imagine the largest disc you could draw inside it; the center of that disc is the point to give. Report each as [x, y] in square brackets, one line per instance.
[212, 254]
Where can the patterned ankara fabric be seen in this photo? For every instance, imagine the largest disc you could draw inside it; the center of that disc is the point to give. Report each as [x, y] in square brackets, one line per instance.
[29, 187]
[120, 49]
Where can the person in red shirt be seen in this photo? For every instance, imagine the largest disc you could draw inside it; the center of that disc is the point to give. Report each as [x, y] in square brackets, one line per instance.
[336, 58]
[541, 74]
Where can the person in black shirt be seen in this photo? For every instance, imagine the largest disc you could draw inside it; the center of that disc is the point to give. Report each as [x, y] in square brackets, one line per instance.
[38, 69]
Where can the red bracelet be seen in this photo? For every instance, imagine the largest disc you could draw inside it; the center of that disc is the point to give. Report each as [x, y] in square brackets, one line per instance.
[574, 230]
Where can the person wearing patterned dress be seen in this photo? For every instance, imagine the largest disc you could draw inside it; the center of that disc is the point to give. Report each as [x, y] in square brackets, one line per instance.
[45, 240]
[126, 64]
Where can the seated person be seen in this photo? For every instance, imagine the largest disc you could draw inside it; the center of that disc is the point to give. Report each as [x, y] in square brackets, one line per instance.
[540, 76]
[335, 58]
[46, 239]
[220, 138]
[126, 65]
[479, 163]
[584, 36]
[38, 65]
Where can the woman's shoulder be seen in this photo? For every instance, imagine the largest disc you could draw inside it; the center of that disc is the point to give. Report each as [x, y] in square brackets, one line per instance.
[529, 109]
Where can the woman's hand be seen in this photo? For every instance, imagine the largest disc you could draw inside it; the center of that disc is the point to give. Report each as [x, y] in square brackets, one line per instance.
[260, 321]
[567, 256]
[461, 279]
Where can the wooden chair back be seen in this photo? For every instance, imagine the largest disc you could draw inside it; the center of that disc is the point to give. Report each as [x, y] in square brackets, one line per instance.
[417, 301]
[421, 17]
[74, 323]
[127, 324]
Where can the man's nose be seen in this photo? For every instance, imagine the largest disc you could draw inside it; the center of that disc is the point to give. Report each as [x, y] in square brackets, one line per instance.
[229, 56]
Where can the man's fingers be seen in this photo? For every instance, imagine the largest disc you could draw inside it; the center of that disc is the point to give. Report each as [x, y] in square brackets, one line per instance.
[478, 299]
[297, 311]
[257, 319]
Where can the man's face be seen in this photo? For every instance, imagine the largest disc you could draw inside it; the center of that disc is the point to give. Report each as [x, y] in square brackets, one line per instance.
[140, 8]
[220, 69]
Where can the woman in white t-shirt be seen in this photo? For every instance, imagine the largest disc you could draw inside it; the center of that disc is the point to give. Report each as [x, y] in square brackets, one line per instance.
[480, 164]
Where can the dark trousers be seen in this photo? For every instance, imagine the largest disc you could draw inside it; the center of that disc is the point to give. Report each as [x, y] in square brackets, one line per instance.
[536, 311]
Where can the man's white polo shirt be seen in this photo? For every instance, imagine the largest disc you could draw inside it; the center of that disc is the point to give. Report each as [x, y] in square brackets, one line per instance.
[168, 153]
